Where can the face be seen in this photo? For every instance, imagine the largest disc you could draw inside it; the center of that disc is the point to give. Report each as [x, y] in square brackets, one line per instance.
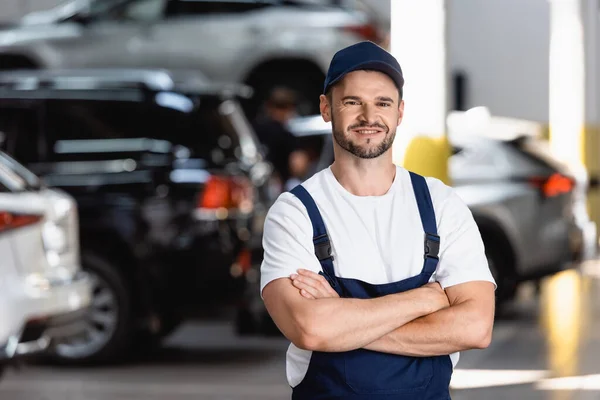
[365, 111]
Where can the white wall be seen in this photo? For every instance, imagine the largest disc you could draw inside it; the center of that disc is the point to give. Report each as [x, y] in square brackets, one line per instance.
[503, 46]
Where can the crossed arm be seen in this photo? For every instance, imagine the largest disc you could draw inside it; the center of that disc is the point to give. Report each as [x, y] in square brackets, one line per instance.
[421, 322]
[466, 324]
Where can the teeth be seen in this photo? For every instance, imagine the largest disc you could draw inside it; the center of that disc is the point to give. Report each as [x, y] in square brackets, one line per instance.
[367, 132]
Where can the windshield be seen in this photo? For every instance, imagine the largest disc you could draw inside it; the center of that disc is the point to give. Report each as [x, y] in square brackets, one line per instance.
[15, 177]
[213, 131]
[97, 9]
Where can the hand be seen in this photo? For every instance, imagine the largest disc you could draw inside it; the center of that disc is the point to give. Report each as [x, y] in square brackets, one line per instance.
[434, 296]
[312, 285]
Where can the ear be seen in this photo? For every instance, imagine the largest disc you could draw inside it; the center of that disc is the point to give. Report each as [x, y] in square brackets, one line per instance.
[325, 108]
[400, 112]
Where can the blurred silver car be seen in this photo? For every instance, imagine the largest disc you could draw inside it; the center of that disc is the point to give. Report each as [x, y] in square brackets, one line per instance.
[262, 43]
[44, 295]
[529, 208]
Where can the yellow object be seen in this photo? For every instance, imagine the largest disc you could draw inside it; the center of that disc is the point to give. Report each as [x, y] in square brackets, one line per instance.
[428, 156]
[563, 304]
[590, 145]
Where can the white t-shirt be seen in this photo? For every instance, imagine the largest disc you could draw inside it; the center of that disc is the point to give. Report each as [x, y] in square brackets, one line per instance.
[377, 239]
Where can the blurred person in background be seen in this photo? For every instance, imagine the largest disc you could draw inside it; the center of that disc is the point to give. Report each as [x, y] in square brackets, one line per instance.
[377, 276]
[271, 130]
[299, 167]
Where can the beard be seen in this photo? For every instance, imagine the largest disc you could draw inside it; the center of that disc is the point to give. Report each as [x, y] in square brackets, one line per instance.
[359, 151]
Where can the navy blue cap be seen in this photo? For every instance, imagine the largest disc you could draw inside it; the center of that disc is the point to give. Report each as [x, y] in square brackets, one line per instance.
[361, 56]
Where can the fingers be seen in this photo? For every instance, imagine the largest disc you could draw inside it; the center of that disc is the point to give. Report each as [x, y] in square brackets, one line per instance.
[318, 280]
[306, 288]
[310, 278]
[304, 293]
[314, 285]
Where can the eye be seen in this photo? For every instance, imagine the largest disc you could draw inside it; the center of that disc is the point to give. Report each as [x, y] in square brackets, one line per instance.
[351, 103]
[385, 105]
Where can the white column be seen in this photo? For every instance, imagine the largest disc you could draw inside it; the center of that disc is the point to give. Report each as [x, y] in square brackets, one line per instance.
[573, 91]
[591, 16]
[418, 41]
[567, 80]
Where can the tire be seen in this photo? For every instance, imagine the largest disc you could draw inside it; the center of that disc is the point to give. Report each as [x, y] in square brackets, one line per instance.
[109, 333]
[502, 268]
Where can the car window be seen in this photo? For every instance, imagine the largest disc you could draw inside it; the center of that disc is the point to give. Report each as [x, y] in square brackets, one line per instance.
[206, 131]
[538, 151]
[207, 7]
[132, 10]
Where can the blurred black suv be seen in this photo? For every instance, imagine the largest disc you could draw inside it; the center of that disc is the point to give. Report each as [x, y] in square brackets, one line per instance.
[170, 186]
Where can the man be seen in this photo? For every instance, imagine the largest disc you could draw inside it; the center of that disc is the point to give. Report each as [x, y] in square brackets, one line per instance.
[271, 129]
[376, 275]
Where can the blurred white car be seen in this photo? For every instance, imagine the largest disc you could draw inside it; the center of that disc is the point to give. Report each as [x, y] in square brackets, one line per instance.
[261, 43]
[44, 295]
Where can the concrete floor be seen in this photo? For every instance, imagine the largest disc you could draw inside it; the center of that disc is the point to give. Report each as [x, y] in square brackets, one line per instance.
[545, 346]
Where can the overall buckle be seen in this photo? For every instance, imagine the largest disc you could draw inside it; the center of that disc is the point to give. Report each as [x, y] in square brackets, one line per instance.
[432, 246]
[322, 247]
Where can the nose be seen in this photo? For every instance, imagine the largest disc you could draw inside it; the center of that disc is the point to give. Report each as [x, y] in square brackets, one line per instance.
[368, 114]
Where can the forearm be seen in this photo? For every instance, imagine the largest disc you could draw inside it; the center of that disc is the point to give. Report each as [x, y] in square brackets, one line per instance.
[336, 325]
[457, 328]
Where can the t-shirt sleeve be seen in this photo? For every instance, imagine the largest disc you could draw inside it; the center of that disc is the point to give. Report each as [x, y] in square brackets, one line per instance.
[287, 241]
[462, 253]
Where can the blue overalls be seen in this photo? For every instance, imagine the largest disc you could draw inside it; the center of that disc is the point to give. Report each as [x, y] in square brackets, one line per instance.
[364, 374]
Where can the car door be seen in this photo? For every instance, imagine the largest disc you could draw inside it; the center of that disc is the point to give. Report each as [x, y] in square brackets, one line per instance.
[117, 35]
[208, 36]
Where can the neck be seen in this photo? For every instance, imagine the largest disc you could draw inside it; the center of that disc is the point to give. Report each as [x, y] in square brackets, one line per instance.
[363, 177]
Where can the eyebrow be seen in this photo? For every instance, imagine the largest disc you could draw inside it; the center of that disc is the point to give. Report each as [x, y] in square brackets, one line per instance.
[385, 98]
[380, 98]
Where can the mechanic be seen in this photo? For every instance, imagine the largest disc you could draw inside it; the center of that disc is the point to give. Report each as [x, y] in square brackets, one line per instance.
[378, 276]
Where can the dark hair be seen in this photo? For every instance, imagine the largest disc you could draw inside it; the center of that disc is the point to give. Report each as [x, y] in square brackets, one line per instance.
[329, 95]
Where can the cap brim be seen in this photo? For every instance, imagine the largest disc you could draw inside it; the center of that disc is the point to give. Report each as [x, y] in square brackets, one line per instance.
[385, 68]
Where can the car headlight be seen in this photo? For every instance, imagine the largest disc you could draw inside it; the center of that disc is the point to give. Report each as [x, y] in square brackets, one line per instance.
[54, 236]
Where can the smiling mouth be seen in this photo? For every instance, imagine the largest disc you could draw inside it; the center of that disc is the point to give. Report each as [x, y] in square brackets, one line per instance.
[367, 131]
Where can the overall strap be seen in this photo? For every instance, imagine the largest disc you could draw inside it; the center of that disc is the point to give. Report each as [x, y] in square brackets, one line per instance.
[320, 237]
[427, 213]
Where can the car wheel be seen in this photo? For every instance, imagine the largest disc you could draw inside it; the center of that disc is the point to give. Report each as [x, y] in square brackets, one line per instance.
[501, 270]
[108, 332]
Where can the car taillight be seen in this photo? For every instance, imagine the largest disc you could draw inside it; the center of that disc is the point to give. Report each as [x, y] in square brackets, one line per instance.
[227, 192]
[366, 31]
[9, 221]
[554, 185]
